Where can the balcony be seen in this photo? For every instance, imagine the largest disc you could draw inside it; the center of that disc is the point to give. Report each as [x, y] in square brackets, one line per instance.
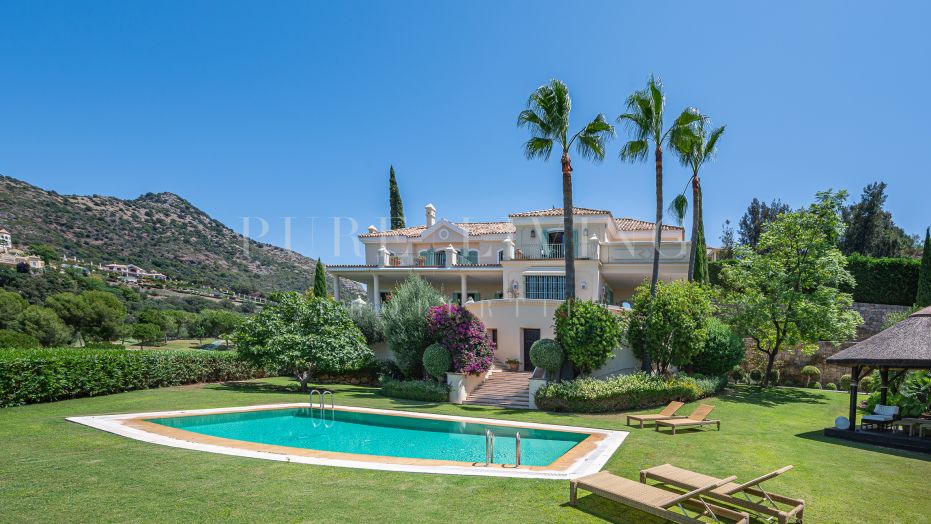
[540, 251]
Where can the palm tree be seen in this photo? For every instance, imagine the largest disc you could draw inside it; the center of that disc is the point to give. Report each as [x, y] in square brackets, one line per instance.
[697, 146]
[644, 119]
[547, 118]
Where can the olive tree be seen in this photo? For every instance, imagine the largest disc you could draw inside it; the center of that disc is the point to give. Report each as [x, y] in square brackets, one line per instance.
[785, 291]
[405, 318]
[302, 336]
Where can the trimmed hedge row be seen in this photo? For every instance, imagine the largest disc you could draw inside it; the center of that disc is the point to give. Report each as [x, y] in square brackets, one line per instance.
[28, 376]
[624, 392]
[425, 390]
[879, 280]
[884, 280]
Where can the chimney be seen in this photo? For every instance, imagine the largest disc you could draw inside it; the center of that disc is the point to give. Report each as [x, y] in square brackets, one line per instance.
[373, 229]
[431, 215]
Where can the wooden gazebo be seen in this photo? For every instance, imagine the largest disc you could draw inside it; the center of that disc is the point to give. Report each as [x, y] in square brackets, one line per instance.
[904, 346]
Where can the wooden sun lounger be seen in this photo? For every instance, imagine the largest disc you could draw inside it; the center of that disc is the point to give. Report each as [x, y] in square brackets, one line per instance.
[699, 417]
[655, 501]
[728, 492]
[667, 413]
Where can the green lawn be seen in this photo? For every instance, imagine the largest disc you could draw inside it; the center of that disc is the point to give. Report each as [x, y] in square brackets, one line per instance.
[51, 469]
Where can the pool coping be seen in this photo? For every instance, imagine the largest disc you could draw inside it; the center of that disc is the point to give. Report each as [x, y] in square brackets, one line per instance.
[587, 457]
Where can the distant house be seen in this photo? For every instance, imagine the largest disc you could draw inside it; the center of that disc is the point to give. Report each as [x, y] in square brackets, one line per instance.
[132, 272]
[12, 257]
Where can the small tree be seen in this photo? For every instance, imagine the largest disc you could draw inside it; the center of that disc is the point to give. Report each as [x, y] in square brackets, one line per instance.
[320, 290]
[405, 318]
[12, 306]
[43, 324]
[670, 327]
[588, 332]
[721, 352]
[924, 280]
[302, 336]
[148, 334]
[437, 361]
[368, 321]
[785, 291]
[810, 372]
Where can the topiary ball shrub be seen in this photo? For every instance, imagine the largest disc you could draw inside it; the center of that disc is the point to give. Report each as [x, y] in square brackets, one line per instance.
[755, 375]
[845, 382]
[721, 352]
[738, 375]
[464, 335]
[817, 385]
[866, 383]
[436, 360]
[774, 376]
[547, 354]
[588, 332]
[810, 372]
[830, 385]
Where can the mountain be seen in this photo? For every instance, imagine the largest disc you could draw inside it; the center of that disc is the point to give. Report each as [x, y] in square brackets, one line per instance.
[157, 231]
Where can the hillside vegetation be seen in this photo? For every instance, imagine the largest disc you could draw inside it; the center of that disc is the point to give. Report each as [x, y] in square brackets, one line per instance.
[157, 231]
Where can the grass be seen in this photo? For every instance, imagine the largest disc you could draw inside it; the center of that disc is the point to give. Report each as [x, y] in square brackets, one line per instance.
[55, 469]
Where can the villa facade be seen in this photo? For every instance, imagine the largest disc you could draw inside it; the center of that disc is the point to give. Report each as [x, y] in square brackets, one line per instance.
[511, 274]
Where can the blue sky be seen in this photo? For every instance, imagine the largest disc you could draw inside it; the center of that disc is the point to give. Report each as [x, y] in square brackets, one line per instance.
[296, 109]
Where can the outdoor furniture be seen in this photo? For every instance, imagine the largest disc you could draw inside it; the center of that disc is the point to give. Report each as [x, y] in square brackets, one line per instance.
[667, 413]
[699, 417]
[767, 505]
[656, 501]
[882, 416]
[913, 425]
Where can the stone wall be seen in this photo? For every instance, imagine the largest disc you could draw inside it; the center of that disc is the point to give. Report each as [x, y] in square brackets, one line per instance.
[790, 362]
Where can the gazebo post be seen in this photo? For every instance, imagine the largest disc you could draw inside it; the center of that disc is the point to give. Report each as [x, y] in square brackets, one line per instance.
[854, 378]
[884, 387]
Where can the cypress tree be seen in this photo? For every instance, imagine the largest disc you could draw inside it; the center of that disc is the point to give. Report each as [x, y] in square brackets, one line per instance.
[700, 271]
[397, 208]
[924, 280]
[320, 281]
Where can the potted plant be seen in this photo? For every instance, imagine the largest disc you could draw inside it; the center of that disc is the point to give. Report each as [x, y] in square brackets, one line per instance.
[513, 364]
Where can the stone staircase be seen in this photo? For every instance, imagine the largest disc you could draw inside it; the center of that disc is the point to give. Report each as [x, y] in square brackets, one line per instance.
[503, 389]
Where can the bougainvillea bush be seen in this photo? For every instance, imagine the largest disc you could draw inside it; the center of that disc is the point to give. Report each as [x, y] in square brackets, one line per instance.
[464, 336]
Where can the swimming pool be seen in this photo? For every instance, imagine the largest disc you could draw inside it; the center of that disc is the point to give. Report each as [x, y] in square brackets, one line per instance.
[374, 439]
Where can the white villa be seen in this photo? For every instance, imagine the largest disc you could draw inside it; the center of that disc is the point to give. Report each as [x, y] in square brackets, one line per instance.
[512, 273]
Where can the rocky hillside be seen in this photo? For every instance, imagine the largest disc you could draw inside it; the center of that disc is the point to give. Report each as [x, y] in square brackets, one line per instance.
[157, 231]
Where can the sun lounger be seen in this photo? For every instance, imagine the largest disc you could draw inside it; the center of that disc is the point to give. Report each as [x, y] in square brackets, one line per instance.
[881, 416]
[656, 501]
[667, 412]
[699, 417]
[766, 504]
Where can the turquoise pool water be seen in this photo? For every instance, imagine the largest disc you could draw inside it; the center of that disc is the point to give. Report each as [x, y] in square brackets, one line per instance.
[376, 434]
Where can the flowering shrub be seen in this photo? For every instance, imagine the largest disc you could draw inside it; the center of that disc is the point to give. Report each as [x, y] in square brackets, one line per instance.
[464, 336]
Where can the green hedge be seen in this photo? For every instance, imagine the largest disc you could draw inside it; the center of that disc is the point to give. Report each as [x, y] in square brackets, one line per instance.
[29, 376]
[425, 390]
[624, 392]
[884, 280]
[879, 280]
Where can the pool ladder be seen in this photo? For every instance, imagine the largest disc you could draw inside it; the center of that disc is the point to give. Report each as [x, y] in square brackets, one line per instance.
[490, 448]
[323, 410]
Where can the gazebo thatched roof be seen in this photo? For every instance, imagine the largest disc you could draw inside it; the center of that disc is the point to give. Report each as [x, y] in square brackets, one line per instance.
[904, 345]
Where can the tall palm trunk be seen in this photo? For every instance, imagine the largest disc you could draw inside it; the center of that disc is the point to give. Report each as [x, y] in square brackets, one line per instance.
[659, 219]
[568, 240]
[696, 217]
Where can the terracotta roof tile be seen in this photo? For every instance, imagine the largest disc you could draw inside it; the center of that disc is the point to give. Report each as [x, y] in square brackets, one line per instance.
[557, 212]
[474, 229]
[632, 224]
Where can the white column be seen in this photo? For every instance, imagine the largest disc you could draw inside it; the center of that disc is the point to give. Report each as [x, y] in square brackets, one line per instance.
[336, 287]
[508, 249]
[463, 284]
[376, 293]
